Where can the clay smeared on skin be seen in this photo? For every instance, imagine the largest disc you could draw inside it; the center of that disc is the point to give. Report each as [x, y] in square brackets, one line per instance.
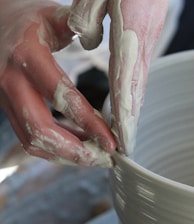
[88, 155]
[96, 156]
[60, 102]
[125, 49]
[86, 20]
[93, 154]
[128, 103]
[64, 95]
[125, 110]
[39, 133]
[131, 43]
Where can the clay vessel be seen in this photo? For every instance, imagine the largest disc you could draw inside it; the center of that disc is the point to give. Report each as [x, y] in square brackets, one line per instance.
[156, 184]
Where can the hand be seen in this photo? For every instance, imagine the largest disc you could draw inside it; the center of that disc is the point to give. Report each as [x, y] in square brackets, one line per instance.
[135, 28]
[30, 32]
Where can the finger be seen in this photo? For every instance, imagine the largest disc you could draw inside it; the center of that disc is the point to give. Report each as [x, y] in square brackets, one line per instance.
[49, 79]
[39, 132]
[15, 110]
[22, 134]
[135, 27]
[72, 128]
[74, 106]
[56, 20]
[86, 20]
[29, 149]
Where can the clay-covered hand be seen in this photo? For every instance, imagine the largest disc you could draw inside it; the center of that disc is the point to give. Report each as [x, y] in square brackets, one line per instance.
[135, 28]
[30, 30]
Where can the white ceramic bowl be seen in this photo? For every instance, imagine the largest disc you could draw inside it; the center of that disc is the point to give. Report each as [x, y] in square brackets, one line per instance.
[156, 185]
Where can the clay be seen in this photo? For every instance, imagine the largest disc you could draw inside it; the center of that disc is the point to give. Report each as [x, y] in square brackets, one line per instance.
[86, 20]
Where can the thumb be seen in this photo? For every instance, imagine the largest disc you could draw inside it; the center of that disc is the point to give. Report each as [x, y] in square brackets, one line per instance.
[85, 19]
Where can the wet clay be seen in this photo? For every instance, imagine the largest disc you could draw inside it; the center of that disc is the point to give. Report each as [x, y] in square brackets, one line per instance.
[132, 38]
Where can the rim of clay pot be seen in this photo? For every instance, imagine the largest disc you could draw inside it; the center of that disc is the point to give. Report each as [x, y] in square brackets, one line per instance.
[153, 177]
[166, 61]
